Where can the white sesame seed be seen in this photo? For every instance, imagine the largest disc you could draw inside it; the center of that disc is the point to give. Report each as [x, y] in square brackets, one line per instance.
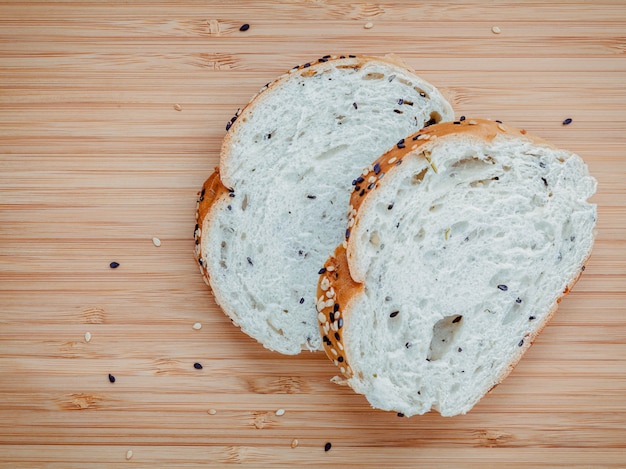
[280, 412]
[178, 107]
[365, 172]
[321, 317]
[129, 454]
[294, 443]
[334, 352]
[330, 302]
[197, 326]
[371, 179]
[392, 160]
[330, 293]
[368, 25]
[496, 30]
[472, 122]
[156, 241]
[336, 362]
[87, 336]
[330, 268]
[325, 284]
[339, 346]
[342, 369]
[211, 411]
[502, 127]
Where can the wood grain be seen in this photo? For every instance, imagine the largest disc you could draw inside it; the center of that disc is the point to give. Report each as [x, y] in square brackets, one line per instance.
[111, 117]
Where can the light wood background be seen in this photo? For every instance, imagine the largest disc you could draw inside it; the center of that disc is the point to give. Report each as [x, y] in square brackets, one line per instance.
[111, 117]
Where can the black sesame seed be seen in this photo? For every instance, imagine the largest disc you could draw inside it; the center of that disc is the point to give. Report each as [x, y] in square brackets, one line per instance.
[518, 300]
[301, 300]
[228, 124]
[362, 192]
[415, 137]
[498, 121]
[323, 59]
[331, 317]
[545, 183]
[322, 271]
[371, 186]
[335, 307]
[233, 119]
[582, 268]
[114, 265]
[111, 378]
[400, 145]
[327, 446]
[457, 319]
[377, 168]
[400, 101]
[400, 414]
[307, 65]
[347, 233]
[503, 287]
[532, 318]
[244, 27]
[457, 122]
[462, 118]
[397, 111]
[352, 56]
[460, 349]
[360, 179]
[197, 366]
[340, 359]
[229, 207]
[231, 194]
[311, 197]
[339, 323]
[357, 188]
[394, 314]
[337, 336]
[390, 206]
[567, 121]
[355, 106]
[249, 261]
[521, 342]
[326, 57]
[354, 182]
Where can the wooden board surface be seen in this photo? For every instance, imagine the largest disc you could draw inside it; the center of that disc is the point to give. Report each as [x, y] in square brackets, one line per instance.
[111, 117]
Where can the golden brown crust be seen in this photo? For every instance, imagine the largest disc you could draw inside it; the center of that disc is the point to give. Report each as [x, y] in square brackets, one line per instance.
[212, 190]
[334, 291]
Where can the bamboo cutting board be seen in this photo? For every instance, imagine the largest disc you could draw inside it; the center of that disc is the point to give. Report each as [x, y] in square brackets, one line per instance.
[111, 117]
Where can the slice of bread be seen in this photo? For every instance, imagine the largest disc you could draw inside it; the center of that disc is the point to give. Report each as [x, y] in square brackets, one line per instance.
[461, 242]
[274, 211]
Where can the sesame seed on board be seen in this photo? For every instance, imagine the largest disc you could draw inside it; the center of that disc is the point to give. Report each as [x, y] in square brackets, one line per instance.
[178, 107]
[496, 30]
[294, 443]
[87, 336]
[156, 241]
[211, 411]
[129, 454]
[280, 412]
[368, 25]
[197, 326]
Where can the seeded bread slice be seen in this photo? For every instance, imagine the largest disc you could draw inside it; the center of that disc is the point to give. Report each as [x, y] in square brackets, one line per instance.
[461, 242]
[274, 211]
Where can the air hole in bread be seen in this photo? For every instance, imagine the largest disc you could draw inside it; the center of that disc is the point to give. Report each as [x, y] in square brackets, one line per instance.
[445, 332]
[421, 92]
[419, 177]
[435, 117]
[375, 239]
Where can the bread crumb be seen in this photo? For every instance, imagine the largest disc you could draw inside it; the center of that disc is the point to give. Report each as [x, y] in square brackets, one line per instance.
[294, 443]
[368, 25]
[496, 30]
[178, 107]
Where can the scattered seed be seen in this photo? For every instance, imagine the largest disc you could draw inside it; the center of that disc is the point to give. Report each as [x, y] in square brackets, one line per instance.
[301, 300]
[280, 412]
[368, 25]
[459, 349]
[114, 265]
[567, 121]
[400, 414]
[111, 378]
[457, 319]
[178, 107]
[87, 336]
[244, 27]
[197, 326]
[531, 318]
[462, 118]
[521, 342]
[156, 241]
[311, 197]
[327, 446]
[355, 107]
[129, 454]
[211, 411]
[394, 314]
[197, 366]
[322, 271]
[503, 287]
[496, 30]
[294, 443]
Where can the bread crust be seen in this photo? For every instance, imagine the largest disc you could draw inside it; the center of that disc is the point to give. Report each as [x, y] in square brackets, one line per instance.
[338, 276]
